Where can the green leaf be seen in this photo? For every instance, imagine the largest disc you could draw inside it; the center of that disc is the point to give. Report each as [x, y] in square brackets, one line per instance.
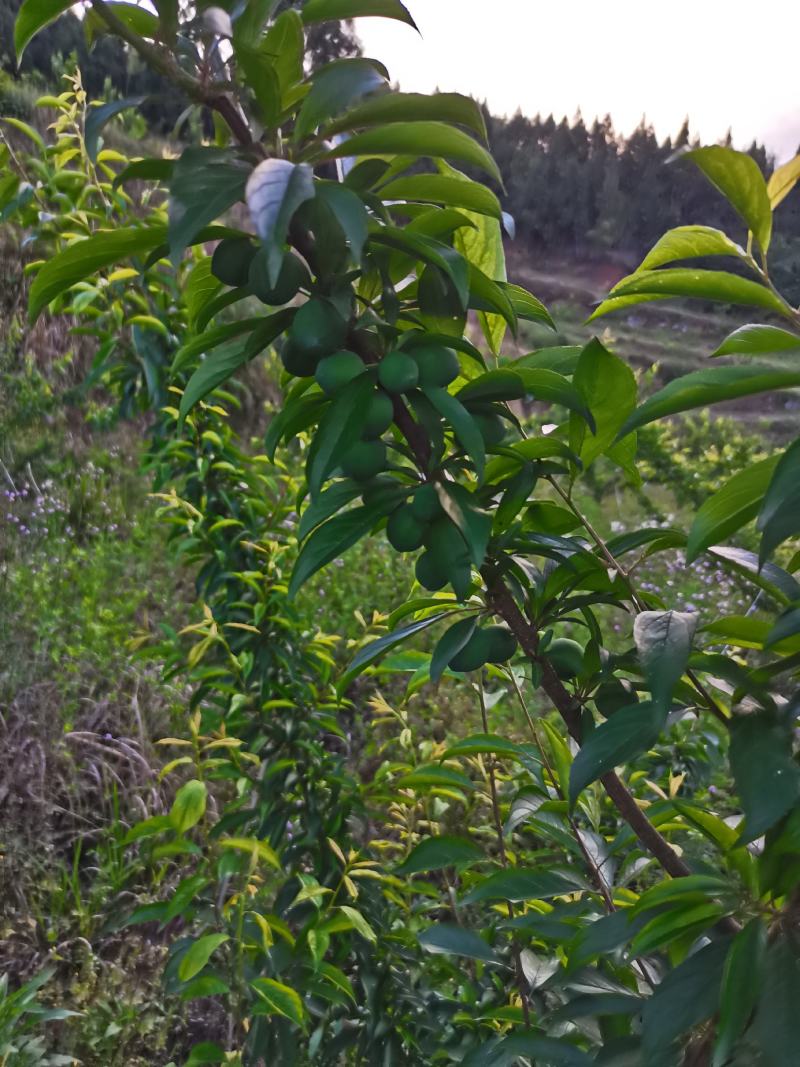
[375, 649]
[360, 924]
[450, 643]
[685, 997]
[527, 307]
[771, 578]
[435, 776]
[349, 211]
[32, 17]
[436, 852]
[518, 885]
[493, 385]
[283, 45]
[741, 982]
[200, 952]
[328, 10]
[455, 940]
[275, 190]
[533, 1046]
[777, 1022]
[663, 641]
[258, 74]
[136, 18]
[278, 999]
[429, 250]
[608, 388]
[697, 284]
[188, 807]
[678, 890]
[674, 924]
[739, 179]
[340, 427]
[628, 733]
[200, 287]
[258, 850]
[442, 189]
[485, 744]
[97, 117]
[756, 340]
[779, 517]
[218, 368]
[704, 387]
[205, 342]
[433, 139]
[331, 540]
[447, 108]
[766, 776]
[787, 626]
[145, 170]
[730, 508]
[782, 181]
[205, 183]
[335, 87]
[553, 388]
[83, 258]
[464, 426]
[690, 242]
[206, 1052]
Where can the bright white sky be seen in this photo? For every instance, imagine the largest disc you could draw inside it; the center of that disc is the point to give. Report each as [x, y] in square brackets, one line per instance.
[721, 62]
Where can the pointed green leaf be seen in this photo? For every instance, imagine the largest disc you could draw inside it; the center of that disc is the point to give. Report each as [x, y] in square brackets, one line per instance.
[739, 179]
[32, 17]
[447, 108]
[327, 10]
[375, 649]
[485, 744]
[689, 242]
[205, 183]
[83, 258]
[434, 139]
[434, 776]
[436, 852]
[332, 540]
[464, 426]
[519, 885]
[756, 340]
[766, 776]
[450, 644]
[704, 387]
[628, 733]
[688, 282]
[445, 190]
[339, 428]
[456, 941]
[730, 508]
[199, 954]
[782, 181]
[779, 517]
[777, 1023]
[335, 87]
[608, 388]
[278, 999]
[188, 807]
[741, 982]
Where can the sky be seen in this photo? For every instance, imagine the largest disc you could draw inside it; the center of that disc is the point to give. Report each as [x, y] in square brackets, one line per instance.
[724, 63]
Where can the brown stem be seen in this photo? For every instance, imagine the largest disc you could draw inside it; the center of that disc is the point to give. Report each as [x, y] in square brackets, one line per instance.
[522, 983]
[569, 709]
[162, 61]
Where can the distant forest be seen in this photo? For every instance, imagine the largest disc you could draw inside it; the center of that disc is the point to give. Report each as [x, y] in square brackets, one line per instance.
[573, 190]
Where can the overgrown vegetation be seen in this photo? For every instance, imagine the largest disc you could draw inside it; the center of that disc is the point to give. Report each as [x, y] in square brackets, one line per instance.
[306, 795]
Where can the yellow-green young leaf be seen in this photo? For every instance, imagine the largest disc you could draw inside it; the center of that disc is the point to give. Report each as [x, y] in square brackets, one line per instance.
[32, 17]
[739, 179]
[689, 242]
[358, 922]
[730, 508]
[189, 806]
[257, 849]
[24, 127]
[278, 999]
[782, 181]
[450, 108]
[675, 923]
[198, 955]
[200, 287]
